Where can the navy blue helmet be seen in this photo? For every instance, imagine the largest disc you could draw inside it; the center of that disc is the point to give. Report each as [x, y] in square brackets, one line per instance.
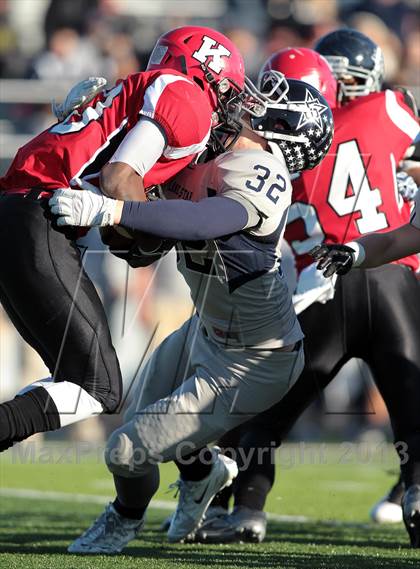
[352, 55]
[300, 123]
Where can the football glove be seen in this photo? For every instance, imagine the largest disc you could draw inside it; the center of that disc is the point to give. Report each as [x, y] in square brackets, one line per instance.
[87, 208]
[407, 187]
[79, 95]
[333, 259]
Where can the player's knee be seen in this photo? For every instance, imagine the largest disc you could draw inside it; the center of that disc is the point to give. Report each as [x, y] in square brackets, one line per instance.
[107, 392]
[125, 458]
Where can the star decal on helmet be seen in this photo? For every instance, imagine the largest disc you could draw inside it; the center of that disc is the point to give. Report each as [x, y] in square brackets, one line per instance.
[311, 110]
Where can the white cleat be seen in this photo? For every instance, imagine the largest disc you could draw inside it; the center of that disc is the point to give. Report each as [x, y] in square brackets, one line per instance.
[109, 534]
[195, 497]
[385, 512]
[388, 510]
[210, 515]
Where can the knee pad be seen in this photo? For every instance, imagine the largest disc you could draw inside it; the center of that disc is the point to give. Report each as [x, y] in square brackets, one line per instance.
[125, 458]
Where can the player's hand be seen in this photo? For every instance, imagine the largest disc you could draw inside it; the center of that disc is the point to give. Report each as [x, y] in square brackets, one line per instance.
[407, 187]
[79, 95]
[333, 259]
[87, 208]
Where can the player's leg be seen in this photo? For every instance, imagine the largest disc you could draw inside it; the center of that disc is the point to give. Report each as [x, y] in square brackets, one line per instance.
[394, 357]
[56, 309]
[325, 353]
[227, 387]
[121, 520]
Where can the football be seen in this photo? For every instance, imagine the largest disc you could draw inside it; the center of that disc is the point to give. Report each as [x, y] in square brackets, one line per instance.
[137, 248]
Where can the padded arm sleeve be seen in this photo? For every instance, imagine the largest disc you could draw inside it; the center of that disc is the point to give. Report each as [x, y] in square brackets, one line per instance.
[142, 147]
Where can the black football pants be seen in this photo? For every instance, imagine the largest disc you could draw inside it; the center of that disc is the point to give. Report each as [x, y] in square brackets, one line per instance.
[375, 316]
[52, 302]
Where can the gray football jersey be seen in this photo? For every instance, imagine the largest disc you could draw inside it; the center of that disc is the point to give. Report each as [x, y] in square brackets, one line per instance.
[240, 294]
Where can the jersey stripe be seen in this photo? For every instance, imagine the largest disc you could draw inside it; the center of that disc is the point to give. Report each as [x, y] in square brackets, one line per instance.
[175, 152]
[99, 150]
[399, 116]
[89, 114]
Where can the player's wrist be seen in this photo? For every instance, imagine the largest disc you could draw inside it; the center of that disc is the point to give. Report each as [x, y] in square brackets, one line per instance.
[359, 254]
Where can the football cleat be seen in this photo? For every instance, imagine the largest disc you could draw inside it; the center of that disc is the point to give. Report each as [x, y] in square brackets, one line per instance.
[195, 497]
[388, 510]
[411, 513]
[243, 524]
[109, 534]
[164, 526]
[211, 513]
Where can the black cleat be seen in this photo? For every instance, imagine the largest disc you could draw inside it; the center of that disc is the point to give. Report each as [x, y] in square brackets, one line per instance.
[243, 525]
[411, 513]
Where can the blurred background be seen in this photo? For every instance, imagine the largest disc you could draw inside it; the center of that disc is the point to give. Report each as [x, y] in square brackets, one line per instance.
[47, 45]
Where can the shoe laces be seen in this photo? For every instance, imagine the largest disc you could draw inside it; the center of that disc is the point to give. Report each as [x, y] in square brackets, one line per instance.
[110, 525]
[185, 490]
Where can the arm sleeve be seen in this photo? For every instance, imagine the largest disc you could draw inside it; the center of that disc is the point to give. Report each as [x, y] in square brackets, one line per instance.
[254, 216]
[183, 220]
[142, 147]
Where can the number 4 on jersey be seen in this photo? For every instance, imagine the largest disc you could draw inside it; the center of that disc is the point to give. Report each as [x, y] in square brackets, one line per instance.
[349, 170]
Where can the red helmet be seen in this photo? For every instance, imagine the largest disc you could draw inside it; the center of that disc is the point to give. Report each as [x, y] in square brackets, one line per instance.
[205, 55]
[306, 65]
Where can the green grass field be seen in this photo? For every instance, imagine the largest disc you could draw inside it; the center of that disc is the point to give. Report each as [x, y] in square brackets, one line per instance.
[49, 497]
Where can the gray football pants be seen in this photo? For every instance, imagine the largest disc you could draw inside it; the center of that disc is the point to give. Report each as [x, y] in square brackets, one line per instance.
[191, 392]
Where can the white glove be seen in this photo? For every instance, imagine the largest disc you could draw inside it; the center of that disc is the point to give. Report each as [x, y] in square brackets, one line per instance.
[79, 95]
[407, 187]
[87, 208]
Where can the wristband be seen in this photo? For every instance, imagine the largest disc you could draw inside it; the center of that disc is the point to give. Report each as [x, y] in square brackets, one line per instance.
[359, 254]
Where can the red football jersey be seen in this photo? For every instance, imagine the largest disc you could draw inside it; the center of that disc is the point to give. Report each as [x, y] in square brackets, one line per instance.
[83, 143]
[353, 191]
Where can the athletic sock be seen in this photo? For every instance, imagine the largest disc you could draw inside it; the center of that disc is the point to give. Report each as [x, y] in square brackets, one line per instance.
[134, 494]
[410, 459]
[256, 468]
[197, 465]
[252, 489]
[222, 499]
[130, 513]
[27, 414]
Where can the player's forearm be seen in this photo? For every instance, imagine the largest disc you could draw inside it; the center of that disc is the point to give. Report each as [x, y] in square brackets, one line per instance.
[121, 182]
[382, 248]
[183, 220]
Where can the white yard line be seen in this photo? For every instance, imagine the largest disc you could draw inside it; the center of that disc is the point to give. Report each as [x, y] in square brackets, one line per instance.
[30, 494]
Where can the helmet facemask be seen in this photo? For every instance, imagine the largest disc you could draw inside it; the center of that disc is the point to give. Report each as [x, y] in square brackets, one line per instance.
[300, 126]
[233, 103]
